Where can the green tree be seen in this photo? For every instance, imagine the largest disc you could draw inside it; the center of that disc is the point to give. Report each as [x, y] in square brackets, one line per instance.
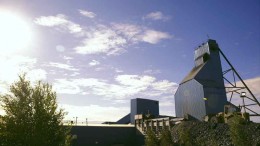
[151, 139]
[166, 138]
[32, 116]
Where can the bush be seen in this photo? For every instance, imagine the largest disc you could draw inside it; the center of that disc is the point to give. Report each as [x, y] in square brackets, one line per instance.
[238, 131]
[151, 139]
[166, 138]
[184, 135]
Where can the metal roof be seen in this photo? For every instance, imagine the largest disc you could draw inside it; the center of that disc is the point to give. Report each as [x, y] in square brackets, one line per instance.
[192, 73]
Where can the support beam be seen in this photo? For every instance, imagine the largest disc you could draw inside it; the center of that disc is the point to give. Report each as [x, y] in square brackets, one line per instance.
[239, 77]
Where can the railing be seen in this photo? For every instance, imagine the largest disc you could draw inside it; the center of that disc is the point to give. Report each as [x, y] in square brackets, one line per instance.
[157, 125]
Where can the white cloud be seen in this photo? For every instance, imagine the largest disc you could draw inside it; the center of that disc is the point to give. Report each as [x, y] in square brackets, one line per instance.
[167, 103]
[62, 66]
[60, 48]
[113, 40]
[129, 31]
[125, 86]
[75, 86]
[51, 21]
[152, 72]
[118, 70]
[103, 40]
[94, 113]
[153, 37]
[59, 21]
[75, 74]
[135, 80]
[90, 82]
[12, 66]
[67, 58]
[74, 28]
[64, 86]
[36, 75]
[157, 16]
[164, 85]
[87, 13]
[254, 85]
[135, 33]
[94, 63]
[3, 90]
[99, 69]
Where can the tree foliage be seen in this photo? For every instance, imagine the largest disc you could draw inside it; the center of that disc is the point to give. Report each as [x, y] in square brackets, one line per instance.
[32, 116]
[151, 139]
[166, 138]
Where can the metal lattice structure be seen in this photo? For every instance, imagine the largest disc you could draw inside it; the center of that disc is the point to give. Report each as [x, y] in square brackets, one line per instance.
[234, 89]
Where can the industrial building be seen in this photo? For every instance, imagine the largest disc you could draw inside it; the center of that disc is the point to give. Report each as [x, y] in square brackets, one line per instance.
[140, 106]
[122, 132]
[202, 91]
[106, 135]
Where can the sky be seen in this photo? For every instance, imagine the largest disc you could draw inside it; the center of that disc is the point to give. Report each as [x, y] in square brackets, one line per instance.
[99, 54]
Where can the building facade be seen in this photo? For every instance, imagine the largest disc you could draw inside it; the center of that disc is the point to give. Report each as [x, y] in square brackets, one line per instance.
[202, 91]
[143, 106]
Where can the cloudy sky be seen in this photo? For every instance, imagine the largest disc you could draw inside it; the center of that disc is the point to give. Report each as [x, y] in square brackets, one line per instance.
[100, 54]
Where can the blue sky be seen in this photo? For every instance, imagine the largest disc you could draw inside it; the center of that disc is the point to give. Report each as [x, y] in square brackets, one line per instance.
[100, 54]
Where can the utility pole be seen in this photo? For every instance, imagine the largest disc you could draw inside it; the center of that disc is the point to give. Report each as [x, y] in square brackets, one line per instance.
[76, 119]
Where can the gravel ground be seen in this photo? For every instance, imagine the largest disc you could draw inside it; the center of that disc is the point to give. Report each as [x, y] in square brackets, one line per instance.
[210, 134]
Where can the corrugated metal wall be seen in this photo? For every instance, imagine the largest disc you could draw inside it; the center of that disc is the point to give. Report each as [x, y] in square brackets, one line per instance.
[189, 100]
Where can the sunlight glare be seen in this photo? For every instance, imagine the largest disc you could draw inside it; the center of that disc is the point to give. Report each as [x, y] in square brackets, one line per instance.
[15, 33]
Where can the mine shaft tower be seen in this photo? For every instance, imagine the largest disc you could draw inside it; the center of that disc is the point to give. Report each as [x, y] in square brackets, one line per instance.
[204, 90]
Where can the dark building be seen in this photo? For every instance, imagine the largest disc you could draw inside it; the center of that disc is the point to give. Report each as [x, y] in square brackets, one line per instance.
[140, 106]
[106, 136]
[117, 133]
[202, 91]
[143, 106]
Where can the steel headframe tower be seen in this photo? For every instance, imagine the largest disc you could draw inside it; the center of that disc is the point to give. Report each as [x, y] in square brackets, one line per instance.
[233, 88]
[204, 91]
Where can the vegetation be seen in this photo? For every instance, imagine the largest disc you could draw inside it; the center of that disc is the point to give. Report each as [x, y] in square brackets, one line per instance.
[32, 116]
[238, 131]
[151, 139]
[184, 135]
[166, 138]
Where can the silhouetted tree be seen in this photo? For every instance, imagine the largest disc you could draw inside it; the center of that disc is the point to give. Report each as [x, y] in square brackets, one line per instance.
[32, 116]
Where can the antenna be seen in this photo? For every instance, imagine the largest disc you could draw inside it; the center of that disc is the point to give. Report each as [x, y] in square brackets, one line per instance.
[208, 36]
[76, 119]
